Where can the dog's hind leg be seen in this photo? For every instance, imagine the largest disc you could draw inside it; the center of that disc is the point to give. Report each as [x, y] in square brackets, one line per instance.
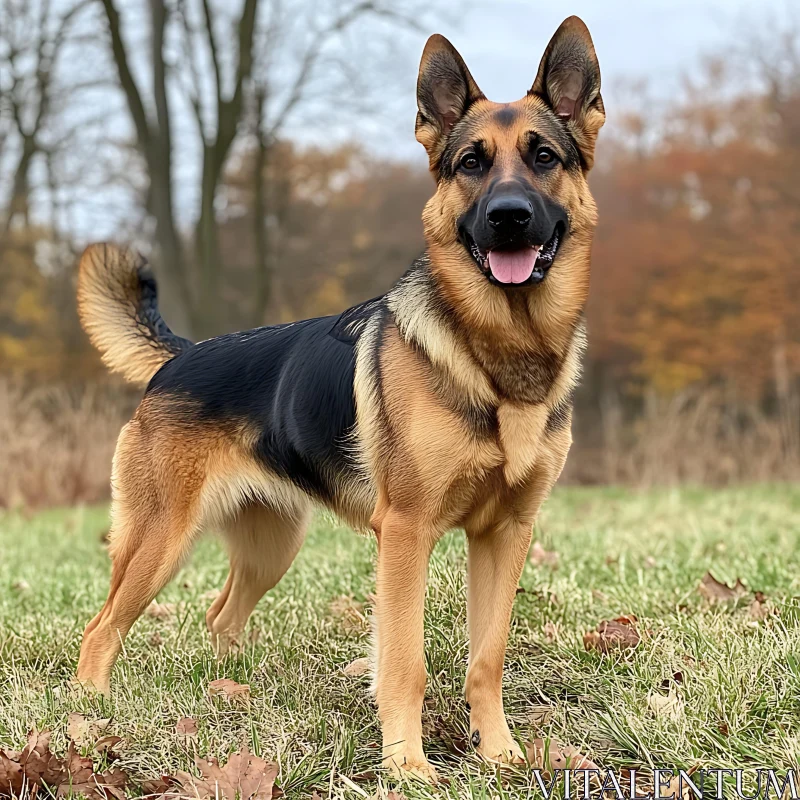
[148, 548]
[262, 542]
[156, 516]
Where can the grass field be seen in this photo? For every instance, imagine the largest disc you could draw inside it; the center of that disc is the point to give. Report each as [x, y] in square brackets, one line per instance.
[620, 553]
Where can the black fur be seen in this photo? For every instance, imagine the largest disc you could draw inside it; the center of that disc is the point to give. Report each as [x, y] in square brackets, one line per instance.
[149, 318]
[293, 383]
[559, 417]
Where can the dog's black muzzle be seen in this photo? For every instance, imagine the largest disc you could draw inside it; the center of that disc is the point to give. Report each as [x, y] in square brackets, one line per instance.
[522, 228]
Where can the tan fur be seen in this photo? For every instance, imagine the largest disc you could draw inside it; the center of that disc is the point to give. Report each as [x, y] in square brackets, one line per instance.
[108, 299]
[462, 419]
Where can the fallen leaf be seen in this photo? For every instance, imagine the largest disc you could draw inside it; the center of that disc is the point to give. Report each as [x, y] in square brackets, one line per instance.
[244, 777]
[550, 632]
[394, 795]
[186, 726]
[716, 592]
[361, 666]
[363, 777]
[230, 690]
[598, 595]
[673, 788]
[160, 611]
[677, 677]
[21, 586]
[669, 705]
[155, 639]
[36, 767]
[548, 755]
[650, 562]
[106, 745]
[760, 609]
[616, 634]
[85, 731]
[349, 613]
[541, 557]
[157, 787]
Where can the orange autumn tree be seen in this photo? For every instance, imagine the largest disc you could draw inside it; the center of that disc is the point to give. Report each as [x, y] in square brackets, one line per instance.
[697, 261]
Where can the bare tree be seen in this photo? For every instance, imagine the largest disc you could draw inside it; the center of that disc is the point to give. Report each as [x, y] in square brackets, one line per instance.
[31, 40]
[318, 70]
[227, 81]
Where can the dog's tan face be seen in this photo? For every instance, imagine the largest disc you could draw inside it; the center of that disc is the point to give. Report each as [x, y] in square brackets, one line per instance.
[511, 180]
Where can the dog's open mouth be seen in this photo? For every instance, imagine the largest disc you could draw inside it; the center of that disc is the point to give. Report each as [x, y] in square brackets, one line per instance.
[520, 266]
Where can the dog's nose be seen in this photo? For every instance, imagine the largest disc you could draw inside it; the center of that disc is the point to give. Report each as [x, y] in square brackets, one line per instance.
[509, 212]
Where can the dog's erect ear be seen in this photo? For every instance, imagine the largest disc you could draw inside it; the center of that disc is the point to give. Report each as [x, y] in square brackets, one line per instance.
[569, 82]
[445, 90]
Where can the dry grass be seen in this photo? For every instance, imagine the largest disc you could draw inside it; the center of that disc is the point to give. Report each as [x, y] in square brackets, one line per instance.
[621, 552]
[702, 437]
[57, 442]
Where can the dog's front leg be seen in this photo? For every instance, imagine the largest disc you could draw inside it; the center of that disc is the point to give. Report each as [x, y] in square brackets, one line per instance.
[495, 562]
[404, 547]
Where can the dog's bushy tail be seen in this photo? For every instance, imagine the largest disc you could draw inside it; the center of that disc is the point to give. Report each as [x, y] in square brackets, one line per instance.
[118, 309]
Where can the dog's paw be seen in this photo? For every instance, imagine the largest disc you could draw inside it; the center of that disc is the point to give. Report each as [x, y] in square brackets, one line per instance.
[497, 746]
[411, 767]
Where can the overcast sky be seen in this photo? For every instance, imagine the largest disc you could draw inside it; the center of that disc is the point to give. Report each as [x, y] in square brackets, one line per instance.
[503, 40]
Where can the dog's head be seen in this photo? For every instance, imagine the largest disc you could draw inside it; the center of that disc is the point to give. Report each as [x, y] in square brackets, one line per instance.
[512, 195]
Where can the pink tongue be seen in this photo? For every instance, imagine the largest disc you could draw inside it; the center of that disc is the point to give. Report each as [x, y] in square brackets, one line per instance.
[513, 266]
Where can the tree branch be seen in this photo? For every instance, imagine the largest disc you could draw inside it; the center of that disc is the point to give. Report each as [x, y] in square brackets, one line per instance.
[126, 79]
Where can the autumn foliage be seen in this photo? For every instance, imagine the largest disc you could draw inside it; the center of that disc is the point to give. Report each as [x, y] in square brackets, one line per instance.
[694, 330]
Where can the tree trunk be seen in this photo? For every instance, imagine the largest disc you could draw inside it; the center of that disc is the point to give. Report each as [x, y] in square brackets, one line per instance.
[263, 275]
[209, 303]
[177, 296]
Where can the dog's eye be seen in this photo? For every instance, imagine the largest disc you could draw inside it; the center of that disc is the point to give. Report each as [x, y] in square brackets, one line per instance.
[546, 157]
[469, 162]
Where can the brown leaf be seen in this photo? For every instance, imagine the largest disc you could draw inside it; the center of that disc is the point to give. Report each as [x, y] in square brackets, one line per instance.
[158, 786]
[541, 557]
[669, 705]
[673, 788]
[616, 634]
[244, 777]
[716, 592]
[21, 586]
[155, 639]
[550, 632]
[761, 609]
[349, 613]
[230, 690]
[186, 726]
[160, 611]
[361, 666]
[36, 766]
[395, 795]
[106, 744]
[548, 755]
[85, 731]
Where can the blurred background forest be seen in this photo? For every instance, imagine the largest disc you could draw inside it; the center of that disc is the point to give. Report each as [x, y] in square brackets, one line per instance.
[261, 153]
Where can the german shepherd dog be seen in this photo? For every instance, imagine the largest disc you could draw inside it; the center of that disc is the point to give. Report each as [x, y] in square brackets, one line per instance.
[444, 403]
